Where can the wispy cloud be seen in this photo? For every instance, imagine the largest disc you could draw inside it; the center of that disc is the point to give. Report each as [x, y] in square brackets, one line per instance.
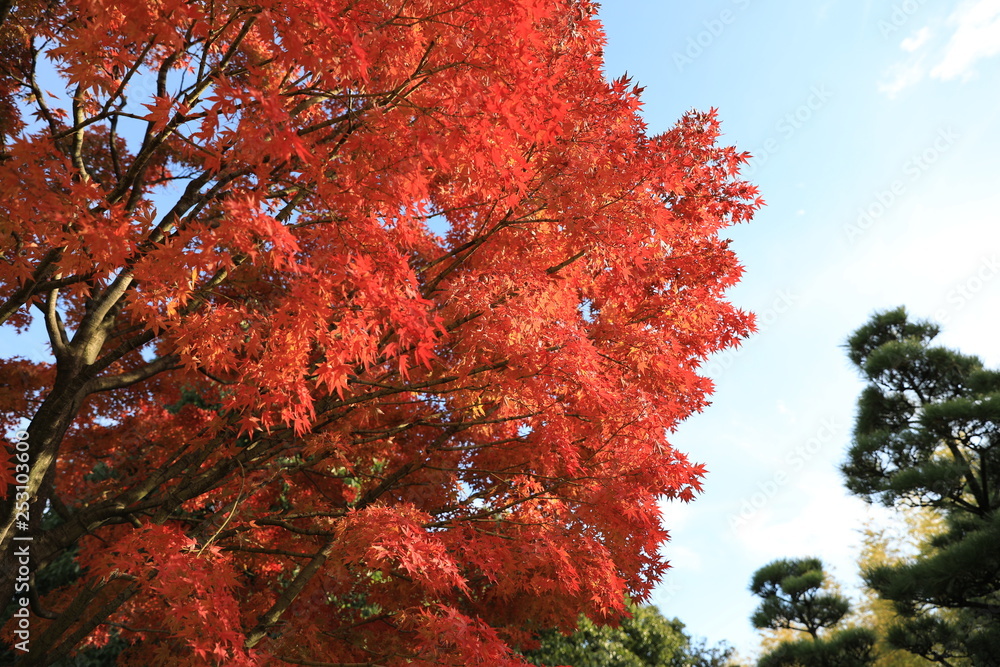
[976, 36]
[911, 44]
[902, 75]
[972, 33]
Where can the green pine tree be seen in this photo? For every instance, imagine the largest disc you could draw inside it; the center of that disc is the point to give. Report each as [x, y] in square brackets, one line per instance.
[793, 597]
[928, 435]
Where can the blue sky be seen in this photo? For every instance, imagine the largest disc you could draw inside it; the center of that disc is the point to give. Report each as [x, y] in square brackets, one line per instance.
[874, 126]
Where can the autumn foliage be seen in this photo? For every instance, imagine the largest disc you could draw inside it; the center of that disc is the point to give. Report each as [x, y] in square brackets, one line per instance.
[369, 320]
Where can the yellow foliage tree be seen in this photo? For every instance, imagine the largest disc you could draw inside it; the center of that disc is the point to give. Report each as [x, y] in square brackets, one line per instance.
[883, 545]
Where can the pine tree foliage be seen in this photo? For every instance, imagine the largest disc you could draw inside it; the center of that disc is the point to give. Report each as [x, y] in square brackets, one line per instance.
[928, 435]
[795, 597]
[851, 647]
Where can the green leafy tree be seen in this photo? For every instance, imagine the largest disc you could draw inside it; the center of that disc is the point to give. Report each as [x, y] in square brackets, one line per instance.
[927, 435]
[646, 639]
[793, 597]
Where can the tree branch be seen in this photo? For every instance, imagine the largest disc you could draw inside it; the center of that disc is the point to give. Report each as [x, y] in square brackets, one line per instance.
[107, 383]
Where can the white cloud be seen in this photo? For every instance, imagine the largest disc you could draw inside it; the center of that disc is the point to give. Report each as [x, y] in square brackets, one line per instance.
[972, 34]
[902, 76]
[911, 44]
[976, 36]
[805, 522]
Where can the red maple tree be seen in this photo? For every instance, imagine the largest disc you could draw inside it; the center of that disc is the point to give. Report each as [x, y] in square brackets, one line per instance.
[369, 320]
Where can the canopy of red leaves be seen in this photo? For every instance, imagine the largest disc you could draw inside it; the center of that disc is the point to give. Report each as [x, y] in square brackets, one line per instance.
[369, 319]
